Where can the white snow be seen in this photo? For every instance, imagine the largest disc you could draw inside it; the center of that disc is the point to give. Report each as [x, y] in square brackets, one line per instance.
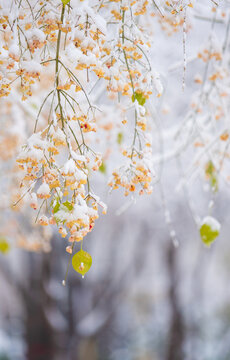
[212, 222]
[43, 189]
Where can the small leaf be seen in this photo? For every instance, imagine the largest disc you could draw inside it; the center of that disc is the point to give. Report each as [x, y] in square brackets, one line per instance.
[56, 207]
[139, 97]
[68, 205]
[211, 174]
[102, 168]
[210, 168]
[82, 262]
[65, 2]
[119, 138]
[214, 183]
[209, 230]
[4, 245]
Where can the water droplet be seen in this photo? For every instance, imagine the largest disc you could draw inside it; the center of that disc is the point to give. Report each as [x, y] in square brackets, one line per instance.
[211, 204]
[175, 243]
[63, 282]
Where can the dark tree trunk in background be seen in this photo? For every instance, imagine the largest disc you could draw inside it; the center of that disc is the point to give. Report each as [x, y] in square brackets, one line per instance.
[38, 334]
[176, 334]
[39, 339]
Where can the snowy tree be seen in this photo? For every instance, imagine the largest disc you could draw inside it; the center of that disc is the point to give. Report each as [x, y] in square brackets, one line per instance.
[101, 99]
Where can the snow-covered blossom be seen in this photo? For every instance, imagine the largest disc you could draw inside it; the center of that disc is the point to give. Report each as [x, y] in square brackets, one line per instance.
[82, 56]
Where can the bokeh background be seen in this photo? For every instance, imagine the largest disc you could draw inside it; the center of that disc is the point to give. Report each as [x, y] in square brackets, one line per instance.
[144, 298]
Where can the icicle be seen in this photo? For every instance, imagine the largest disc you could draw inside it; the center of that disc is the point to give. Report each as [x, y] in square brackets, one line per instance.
[184, 49]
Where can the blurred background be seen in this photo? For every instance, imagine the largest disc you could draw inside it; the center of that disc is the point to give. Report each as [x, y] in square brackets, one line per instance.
[154, 291]
[145, 297]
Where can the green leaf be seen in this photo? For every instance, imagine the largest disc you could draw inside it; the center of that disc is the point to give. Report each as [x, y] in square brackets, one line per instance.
[210, 168]
[65, 2]
[82, 262]
[56, 207]
[211, 174]
[4, 245]
[68, 205]
[139, 97]
[102, 168]
[214, 183]
[208, 235]
[120, 138]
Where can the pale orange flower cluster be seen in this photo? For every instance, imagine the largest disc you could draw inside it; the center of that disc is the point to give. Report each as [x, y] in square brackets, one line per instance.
[67, 47]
